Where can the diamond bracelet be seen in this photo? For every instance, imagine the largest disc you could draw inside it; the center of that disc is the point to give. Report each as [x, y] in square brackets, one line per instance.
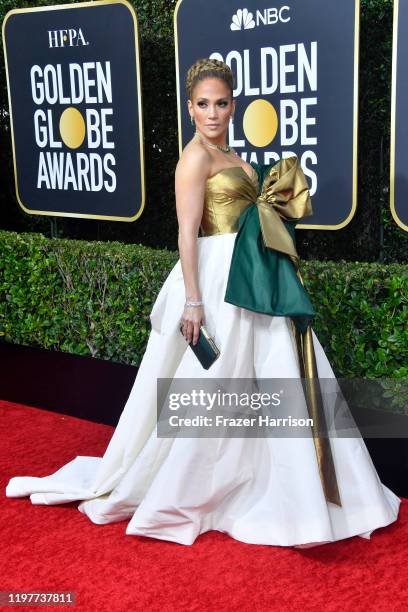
[191, 303]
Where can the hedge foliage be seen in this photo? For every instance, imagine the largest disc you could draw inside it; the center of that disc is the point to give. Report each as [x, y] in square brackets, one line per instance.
[372, 235]
[87, 298]
[94, 298]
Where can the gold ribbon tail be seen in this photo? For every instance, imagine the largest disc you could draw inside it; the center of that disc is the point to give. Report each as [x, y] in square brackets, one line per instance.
[308, 372]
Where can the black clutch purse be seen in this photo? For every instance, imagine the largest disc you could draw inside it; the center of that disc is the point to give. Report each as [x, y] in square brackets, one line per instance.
[205, 350]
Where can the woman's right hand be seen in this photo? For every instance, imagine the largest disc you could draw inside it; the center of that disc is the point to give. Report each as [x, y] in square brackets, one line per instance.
[191, 321]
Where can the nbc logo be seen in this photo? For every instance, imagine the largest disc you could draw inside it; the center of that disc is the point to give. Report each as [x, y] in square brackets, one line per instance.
[242, 20]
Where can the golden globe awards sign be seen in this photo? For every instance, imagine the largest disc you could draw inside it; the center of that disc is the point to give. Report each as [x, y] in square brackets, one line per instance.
[295, 66]
[74, 95]
[399, 119]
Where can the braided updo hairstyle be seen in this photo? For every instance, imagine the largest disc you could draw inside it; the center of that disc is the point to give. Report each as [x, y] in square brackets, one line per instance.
[205, 68]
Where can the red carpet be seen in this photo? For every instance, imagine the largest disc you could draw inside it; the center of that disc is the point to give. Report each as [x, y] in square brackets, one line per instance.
[56, 548]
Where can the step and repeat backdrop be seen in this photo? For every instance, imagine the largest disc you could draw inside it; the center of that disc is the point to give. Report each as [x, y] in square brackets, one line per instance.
[74, 85]
[73, 75]
[296, 68]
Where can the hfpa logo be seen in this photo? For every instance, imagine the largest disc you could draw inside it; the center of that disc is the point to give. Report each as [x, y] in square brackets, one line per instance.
[244, 19]
[66, 38]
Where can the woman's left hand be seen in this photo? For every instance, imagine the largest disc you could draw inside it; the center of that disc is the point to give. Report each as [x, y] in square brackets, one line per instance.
[191, 321]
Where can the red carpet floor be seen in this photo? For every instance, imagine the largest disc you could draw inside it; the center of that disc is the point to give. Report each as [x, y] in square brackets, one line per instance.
[57, 548]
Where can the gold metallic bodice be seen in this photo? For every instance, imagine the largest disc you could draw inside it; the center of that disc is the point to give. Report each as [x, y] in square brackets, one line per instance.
[227, 195]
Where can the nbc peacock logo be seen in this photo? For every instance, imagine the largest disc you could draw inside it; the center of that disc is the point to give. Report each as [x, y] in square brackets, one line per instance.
[242, 20]
[245, 20]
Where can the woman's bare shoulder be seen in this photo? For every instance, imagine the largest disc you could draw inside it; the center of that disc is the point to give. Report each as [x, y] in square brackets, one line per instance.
[195, 161]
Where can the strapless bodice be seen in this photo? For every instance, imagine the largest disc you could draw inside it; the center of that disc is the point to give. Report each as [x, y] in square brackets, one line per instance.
[227, 194]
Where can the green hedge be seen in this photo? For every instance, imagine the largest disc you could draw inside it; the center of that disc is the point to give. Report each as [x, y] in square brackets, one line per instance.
[94, 298]
[87, 298]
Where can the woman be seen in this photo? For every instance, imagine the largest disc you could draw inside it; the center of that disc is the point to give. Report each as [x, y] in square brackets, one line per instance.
[241, 272]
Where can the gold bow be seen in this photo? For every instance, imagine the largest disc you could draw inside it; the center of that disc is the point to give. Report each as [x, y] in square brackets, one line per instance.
[285, 194]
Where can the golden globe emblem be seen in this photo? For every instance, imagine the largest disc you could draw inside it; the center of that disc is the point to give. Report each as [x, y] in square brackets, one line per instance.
[72, 127]
[260, 123]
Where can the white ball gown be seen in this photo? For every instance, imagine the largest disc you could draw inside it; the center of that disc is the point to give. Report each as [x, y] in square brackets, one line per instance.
[259, 490]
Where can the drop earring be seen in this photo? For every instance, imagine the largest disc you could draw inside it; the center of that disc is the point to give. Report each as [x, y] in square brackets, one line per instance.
[192, 120]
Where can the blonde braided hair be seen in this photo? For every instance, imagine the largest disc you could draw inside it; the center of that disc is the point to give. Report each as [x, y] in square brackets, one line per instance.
[205, 68]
